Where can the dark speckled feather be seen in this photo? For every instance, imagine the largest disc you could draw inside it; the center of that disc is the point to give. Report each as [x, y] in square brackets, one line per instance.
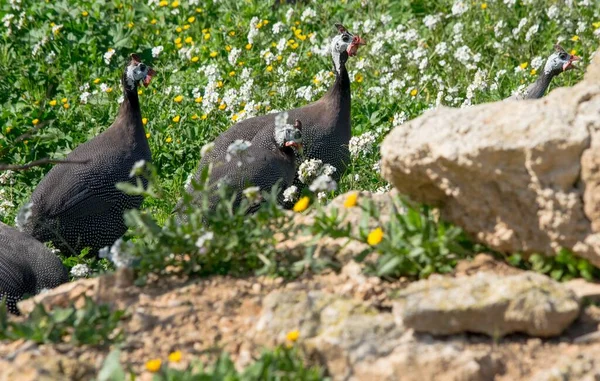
[26, 267]
[77, 205]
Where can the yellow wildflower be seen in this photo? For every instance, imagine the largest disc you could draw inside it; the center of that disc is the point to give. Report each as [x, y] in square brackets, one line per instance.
[97, 81]
[195, 59]
[154, 21]
[524, 65]
[269, 68]
[204, 116]
[8, 129]
[186, 27]
[109, 90]
[177, 40]
[232, 33]
[178, 29]
[575, 38]
[533, 72]
[596, 24]
[228, 48]
[66, 105]
[207, 36]
[213, 54]
[234, 117]
[35, 121]
[188, 40]
[175, 4]
[144, 121]
[130, 25]
[140, 91]
[178, 46]
[176, 118]
[198, 100]
[248, 46]
[222, 106]
[573, 52]
[358, 77]
[64, 100]
[375, 237]
[195, 116]
[293, 335]
[175, 356]
[178, 98]
[350, 201]
[232, 73]
[301, 204]
[220, 84]
[484, 6]
[198, 10]
[169, 139]
[153, 365]
[147, 135]
[84, 14]
[52, 102]
[414, 92]
[191, 19]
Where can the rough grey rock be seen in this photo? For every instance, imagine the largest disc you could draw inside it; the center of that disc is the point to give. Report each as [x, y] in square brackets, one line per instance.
[528, 303]
[357, 342]
[518, 176]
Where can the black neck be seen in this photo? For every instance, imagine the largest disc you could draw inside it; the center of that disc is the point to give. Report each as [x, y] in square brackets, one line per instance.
[539, 87]
[130, 108]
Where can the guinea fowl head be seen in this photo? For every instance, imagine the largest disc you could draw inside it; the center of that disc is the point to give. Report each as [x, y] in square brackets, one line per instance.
[559, 61]
[344, 44]
[288, 136]
[137, 71]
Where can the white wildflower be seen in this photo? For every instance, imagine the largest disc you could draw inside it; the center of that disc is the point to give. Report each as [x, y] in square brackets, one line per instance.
[552, 12]
[309, 169]
[277, 27]
[323, 183]
[83, 97]
[234, 54]
[362, 144]
[237, 148]
[459, 7]
[252, 194]
[290, 194]
[253, 29]
[138, 168]
[441, 48]
[117, 254]
[56, 28]
[321, 197]
[157, 50]
[431, 20]
[308, 14]
[201, 242]
[327, 169]
[292, 60]
[531, 32]
[537, 62]
[6, 177]
[108, 55]
[305, 92]
[463, 54]
[80, 270]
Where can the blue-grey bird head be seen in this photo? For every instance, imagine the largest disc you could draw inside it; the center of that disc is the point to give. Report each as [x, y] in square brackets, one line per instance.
[287, 135]
[344, 45]
[137, 71]
[559, 61]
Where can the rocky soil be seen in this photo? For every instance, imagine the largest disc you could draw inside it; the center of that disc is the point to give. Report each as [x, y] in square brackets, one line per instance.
[355, 326]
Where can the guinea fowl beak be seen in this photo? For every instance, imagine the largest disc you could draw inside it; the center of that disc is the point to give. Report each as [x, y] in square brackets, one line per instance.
[569, 65]
[148, 78]
[296, 145]
[356, 42]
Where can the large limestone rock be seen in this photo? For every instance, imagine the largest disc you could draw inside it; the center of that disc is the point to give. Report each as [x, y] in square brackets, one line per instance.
[529, 303]
[357, 342]
[519, 176]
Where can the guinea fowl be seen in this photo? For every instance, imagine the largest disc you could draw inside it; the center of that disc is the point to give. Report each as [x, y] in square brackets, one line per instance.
[78, 205]
[26, 267]
[558, 62]
[269, 159]
[326, 122]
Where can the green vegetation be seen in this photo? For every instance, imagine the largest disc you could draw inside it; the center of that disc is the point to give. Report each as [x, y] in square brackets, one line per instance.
[279, 364]
[92, 324]
[221, 62]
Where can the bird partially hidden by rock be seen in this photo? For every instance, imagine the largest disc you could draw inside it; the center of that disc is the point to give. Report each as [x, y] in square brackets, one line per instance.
[326, 122]
[26, 267]
[258, 165]
[558, 62]
[78, 205]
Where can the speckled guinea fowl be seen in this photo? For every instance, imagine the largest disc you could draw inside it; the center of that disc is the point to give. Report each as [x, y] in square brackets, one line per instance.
[558, 62]
[270, 159]
[326, 123]
[26, 267]
[77, 205]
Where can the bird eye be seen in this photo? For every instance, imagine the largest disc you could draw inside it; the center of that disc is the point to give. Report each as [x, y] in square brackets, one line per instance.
[563, 56]
[142, 67]
[346, 38]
